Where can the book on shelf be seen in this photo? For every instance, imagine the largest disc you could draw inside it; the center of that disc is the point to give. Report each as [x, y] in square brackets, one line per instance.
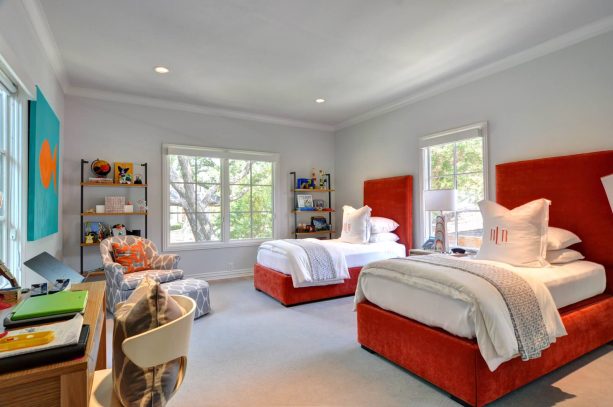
[101, 180]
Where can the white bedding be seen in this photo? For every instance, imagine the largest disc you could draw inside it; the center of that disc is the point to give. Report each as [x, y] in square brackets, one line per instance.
[459, 302]
[568, 283]
[356, 255]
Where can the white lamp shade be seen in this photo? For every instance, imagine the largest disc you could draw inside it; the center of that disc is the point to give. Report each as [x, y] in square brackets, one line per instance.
[607, 182]
[440, 199]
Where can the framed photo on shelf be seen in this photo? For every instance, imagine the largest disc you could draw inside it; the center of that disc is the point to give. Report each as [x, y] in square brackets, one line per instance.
[305, 202]
[319, 204]
[319, 223]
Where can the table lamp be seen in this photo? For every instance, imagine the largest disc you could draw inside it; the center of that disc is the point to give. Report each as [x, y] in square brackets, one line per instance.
[440, 200]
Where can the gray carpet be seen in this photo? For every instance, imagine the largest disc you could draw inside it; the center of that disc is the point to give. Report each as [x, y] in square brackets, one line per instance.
[252, 351]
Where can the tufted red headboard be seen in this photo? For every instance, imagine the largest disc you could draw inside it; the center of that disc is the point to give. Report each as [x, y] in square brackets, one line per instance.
[578, 199]
[393, 198]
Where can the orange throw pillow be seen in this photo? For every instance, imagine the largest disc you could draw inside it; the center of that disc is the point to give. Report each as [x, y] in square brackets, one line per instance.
[131, 257]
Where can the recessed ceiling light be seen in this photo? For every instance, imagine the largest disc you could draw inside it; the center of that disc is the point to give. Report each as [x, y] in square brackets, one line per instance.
[320, 100]
[161, 69]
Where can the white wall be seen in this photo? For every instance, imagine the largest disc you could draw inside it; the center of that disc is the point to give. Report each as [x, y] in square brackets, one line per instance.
[558, 104]
[22, 51]
[128, 132]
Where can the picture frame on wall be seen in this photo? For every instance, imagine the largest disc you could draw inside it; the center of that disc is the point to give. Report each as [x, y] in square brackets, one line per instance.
[305, 202]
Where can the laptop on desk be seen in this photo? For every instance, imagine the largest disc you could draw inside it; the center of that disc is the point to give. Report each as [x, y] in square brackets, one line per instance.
[52, 270]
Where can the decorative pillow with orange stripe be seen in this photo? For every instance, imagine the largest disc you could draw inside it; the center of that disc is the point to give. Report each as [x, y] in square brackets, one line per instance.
[131, 257]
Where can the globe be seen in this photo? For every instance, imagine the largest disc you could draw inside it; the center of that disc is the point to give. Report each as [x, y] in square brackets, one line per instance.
[101, 168]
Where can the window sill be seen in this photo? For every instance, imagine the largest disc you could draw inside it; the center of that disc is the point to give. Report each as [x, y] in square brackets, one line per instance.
[214, 245]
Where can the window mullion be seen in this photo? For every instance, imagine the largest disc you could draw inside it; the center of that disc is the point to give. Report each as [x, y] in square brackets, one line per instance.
[225, 199]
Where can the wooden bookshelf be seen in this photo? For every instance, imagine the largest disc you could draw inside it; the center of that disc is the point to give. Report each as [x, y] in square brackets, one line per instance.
[319, 232]
[312, 190]
[114, 214]
[314, 212]
[90, 244]
[111, 184]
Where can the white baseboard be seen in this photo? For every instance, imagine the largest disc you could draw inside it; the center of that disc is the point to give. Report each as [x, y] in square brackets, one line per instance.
[221, 275]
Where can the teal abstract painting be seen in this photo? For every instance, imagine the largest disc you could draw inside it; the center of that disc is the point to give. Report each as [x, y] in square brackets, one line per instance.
[43, 168]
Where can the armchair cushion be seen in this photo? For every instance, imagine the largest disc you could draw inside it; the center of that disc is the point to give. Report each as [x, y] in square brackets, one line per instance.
[131, 256]
[131, 280]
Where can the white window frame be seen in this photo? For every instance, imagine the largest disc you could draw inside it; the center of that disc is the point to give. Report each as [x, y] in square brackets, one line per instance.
[445, 137]
[224, 154]
[12, 173]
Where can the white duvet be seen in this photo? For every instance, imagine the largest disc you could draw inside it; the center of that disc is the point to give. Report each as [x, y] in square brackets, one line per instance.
[487, 309]
[299, 266]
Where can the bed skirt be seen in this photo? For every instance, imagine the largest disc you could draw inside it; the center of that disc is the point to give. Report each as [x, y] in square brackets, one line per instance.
[455, 365]
[280, 287]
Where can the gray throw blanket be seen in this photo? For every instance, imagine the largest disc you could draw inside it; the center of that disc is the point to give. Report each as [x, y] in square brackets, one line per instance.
[322, 265]
[523, 306]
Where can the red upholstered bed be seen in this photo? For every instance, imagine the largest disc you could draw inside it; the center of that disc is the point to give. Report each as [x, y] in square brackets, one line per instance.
[579, 204]
[388, 197]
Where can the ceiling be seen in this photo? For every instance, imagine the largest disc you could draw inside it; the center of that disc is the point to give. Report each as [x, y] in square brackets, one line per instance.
[275, 57]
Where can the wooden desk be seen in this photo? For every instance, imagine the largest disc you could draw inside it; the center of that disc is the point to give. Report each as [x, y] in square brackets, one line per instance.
[67, 383]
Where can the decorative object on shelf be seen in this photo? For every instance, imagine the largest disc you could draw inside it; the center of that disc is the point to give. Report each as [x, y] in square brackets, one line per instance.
[128, 208]
[319, 204]
[90, 238]
[141, 205]
[440, 200]
[322, 180]
[303, 183]
[305, 202]
[43, 168]
[114, 204]
[101, 169]
[319, 223]
[313, 183]
[138, 179]
[119, 230]
[97, 230]
[99, 208]
[133, 232]
[124, 173]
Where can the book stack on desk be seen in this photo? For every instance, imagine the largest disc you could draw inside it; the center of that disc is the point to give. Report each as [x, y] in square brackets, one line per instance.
[32, 345]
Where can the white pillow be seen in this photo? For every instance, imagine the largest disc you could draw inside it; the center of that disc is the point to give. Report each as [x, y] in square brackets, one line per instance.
[356, 224]
[563, 256]
[382, 225]
[560, 238]
[384, 237]
[518, 236]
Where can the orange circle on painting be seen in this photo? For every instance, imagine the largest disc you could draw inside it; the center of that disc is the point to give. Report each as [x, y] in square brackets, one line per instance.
[47, 164]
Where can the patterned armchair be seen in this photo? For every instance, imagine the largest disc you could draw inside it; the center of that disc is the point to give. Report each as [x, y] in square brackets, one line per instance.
[119, 286]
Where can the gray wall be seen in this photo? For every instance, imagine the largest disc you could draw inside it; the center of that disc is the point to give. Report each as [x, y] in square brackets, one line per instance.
[558, 104]
[126, 132]
[22, 50]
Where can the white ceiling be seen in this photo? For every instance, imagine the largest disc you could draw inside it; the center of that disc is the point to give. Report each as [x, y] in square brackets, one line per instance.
[274, 57]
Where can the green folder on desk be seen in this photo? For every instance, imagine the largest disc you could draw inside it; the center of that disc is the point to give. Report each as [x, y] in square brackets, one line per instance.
[64, 302]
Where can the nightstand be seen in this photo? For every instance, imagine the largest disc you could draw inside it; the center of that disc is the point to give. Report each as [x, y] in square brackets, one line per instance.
[420, 252]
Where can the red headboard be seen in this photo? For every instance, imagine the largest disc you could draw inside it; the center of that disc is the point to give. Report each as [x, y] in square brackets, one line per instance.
[578, 199]
[393, 198]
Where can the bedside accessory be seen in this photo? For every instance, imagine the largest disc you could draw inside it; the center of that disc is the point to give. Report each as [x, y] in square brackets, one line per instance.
[607, 183]
[440, 200]
[114, 204]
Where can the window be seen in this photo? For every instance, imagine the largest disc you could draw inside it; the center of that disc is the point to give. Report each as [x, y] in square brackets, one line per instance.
[11, 137]
[457, 159]
[217, 197]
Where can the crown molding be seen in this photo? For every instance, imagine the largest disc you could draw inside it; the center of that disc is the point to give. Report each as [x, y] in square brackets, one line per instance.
[39, 22]
[558, 43]
[192, 108]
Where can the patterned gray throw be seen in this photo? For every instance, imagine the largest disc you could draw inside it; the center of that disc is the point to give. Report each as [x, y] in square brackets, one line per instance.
[322, 266]
[524, 309]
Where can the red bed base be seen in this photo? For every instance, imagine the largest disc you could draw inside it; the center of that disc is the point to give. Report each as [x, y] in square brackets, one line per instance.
[579, 203]
[387, 197]
[280, 286]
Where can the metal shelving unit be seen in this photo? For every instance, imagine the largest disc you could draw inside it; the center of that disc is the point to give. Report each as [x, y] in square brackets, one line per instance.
[296, 212]
[83, 214]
